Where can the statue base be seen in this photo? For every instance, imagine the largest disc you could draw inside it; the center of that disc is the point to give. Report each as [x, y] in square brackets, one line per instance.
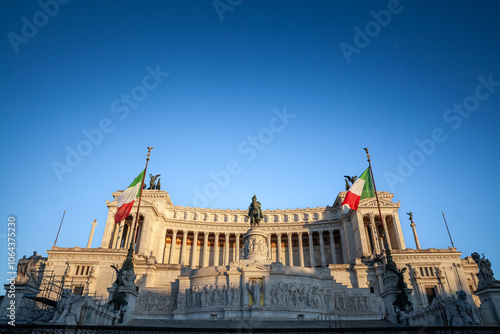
[129, 295]
[490, 303]
[391, 294]
[255, 245]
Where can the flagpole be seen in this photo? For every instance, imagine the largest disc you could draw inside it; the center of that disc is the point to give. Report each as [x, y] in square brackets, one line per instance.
[59, 230]
[452, 245]
[384, 226]
[128, 261]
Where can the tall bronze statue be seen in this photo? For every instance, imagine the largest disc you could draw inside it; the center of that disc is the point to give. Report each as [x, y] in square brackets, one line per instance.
[254, 212]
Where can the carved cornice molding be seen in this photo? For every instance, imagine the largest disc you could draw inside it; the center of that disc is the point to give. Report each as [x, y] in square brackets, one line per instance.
[72, 256]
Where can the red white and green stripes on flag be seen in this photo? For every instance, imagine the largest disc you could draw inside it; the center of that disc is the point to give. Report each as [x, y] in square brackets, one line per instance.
[361, 189]
[126, 200]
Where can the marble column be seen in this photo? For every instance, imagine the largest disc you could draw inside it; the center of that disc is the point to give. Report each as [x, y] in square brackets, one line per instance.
[343, 245]
[216, 249]
[172, 247]
[269, 248]
[290, 249]
[311, 249]
[183, 248]
[131, 231]
[163, 246]
[332, 247]
[194, 256]
[376, 249]
[233, 257]
[322, 249]
[205, 249]
[278, 247]
[119, 235]
[377, 238]
[386, 231]
[301, 250]
[226, 249]
[145, 240]
[237, 248]
[89, 243]
[397, 230]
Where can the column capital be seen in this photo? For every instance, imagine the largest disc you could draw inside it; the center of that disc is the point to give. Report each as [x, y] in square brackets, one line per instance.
[196, 233]
[175, 230]
[227, 233]
[206, 233]
[320, 232]
[289, 234]
[300, 233]
[217, 234]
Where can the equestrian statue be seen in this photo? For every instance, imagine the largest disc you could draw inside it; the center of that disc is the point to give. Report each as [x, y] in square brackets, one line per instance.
[254, 212]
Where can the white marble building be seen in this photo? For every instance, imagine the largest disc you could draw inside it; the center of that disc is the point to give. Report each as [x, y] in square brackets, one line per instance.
[315, 261]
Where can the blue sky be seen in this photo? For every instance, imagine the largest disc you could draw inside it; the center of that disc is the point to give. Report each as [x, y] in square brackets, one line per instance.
[417, 82]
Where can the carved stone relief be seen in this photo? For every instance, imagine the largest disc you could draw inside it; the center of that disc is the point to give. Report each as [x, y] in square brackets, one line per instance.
[317, 298]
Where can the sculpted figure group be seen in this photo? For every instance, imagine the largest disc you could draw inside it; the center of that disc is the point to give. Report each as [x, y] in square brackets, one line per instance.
[485, 274]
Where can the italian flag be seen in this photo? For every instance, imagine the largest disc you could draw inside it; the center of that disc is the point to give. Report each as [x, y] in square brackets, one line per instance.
[361, 189]
[126, 200]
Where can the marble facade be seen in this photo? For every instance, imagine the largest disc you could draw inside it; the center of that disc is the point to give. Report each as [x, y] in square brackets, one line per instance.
[194, 263]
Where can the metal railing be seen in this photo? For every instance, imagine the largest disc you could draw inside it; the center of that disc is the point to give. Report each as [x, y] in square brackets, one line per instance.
[59, 329]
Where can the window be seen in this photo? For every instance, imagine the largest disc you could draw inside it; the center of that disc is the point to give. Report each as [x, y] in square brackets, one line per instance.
[82, 270]
[78, 290]
[431, 294]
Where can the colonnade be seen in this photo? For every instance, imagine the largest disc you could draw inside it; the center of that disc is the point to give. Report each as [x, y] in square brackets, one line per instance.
[123, 232]
[202, 249]
[374, 233]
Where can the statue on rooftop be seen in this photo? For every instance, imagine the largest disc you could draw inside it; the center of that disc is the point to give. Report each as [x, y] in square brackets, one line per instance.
[254, 212]
[152, 181]
[351, 180]
[485, 274]
[411, 216]
[26, 266]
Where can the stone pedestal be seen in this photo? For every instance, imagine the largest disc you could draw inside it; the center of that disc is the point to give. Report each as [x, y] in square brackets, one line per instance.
[255, 247]
[184, 285]
[490, 304]
[129, 294]
[11, 304]
[390, 295]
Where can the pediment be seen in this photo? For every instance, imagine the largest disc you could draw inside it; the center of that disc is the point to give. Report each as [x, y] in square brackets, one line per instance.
[385, 199]
[372, 203]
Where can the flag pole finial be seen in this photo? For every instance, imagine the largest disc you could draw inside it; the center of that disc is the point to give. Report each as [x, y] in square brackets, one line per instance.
[367, 154]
